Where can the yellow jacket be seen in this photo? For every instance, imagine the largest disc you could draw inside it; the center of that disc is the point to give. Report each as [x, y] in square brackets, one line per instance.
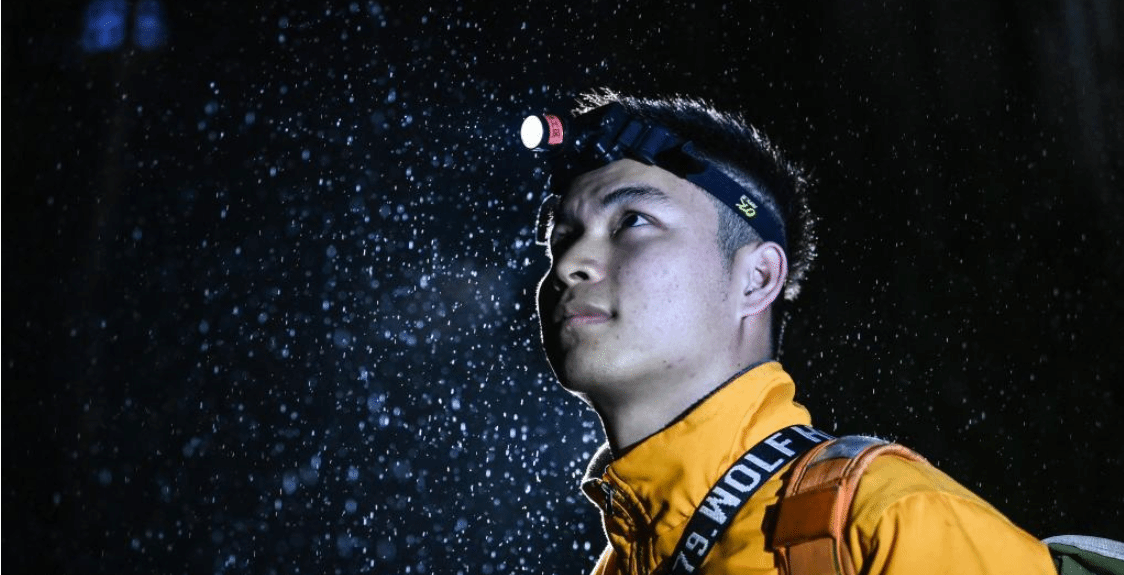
[907, 518]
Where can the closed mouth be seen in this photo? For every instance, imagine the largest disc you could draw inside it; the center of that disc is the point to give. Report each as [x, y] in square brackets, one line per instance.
[585, 319]
[569, 315]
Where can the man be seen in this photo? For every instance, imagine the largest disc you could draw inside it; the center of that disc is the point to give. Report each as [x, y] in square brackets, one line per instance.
[678, 233]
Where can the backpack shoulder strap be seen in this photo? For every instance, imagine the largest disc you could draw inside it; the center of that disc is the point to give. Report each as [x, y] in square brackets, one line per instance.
[813, 509]
[1086, 555]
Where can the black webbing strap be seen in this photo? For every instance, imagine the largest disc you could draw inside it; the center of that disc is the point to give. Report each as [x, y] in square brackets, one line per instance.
[734, 489]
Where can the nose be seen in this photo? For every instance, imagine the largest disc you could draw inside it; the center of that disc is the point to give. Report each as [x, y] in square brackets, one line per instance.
[580, 261]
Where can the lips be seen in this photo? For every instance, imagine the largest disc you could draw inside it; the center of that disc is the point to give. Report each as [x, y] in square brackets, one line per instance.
[580, 314]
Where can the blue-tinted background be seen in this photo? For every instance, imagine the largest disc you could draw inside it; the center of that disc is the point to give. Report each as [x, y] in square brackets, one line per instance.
[268, 266]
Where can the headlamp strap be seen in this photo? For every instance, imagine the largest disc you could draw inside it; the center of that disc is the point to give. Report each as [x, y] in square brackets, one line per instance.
[619, 134]
[748, 203]
[622, 134]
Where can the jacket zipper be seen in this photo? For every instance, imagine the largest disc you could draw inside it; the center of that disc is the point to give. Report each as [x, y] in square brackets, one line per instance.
[608, 491]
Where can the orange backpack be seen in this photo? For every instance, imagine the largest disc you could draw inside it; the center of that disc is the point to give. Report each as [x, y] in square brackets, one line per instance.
[813, 509]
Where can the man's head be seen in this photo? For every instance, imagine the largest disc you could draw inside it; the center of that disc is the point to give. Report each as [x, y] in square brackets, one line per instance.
[653, 277]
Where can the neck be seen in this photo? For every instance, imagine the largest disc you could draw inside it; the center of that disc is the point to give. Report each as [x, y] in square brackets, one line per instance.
[632, 411]
[627, 423]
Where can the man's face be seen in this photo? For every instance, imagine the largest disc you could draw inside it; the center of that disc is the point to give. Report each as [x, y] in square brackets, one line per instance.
[638, 295]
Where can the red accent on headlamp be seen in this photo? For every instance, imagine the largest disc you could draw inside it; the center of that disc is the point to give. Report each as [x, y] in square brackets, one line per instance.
[554, 129]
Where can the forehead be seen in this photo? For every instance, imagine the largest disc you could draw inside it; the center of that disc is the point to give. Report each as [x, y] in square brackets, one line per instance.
[629, 179]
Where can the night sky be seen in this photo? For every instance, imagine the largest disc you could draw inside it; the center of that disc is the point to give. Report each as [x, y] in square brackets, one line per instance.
[268, 268]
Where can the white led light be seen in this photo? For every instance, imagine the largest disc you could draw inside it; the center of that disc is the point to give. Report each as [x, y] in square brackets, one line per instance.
[531, 132]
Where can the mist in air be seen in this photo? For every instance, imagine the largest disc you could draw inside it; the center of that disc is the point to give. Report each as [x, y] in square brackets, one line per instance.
[269, 268]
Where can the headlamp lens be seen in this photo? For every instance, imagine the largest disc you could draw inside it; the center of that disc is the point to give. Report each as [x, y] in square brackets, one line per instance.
[532, 132]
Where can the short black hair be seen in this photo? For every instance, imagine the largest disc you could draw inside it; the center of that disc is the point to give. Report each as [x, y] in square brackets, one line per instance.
[743, 153]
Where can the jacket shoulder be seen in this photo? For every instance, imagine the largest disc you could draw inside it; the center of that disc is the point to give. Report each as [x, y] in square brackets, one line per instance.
[910, 517]
[889, 480]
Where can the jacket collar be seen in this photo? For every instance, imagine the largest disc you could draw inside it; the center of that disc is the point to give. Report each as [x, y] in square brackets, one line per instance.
[653, 488]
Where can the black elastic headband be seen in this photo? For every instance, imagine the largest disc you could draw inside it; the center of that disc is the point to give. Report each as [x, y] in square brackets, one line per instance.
[611, 133]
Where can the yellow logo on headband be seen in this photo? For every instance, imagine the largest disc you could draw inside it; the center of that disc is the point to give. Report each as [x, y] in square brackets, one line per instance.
[747, 207]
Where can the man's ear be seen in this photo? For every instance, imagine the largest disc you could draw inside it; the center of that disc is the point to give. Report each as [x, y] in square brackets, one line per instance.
[760, 270]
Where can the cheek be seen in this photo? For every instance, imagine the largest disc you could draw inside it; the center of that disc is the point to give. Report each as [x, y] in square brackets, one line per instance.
[661, 286]
[689, 289]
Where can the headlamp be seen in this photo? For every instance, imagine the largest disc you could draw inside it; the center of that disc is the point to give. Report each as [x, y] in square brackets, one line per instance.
[541, 133]
[610, 133]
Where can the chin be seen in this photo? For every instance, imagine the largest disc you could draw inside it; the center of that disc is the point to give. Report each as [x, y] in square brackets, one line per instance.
[571, 373]
[587, 370]
[570, 379]
[587, 378]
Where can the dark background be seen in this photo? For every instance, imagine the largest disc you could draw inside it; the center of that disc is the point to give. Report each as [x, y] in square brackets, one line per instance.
[267, 289]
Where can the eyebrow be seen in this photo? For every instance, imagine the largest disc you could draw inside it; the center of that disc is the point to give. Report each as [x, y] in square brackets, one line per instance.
[552, 215]
[631, 193]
